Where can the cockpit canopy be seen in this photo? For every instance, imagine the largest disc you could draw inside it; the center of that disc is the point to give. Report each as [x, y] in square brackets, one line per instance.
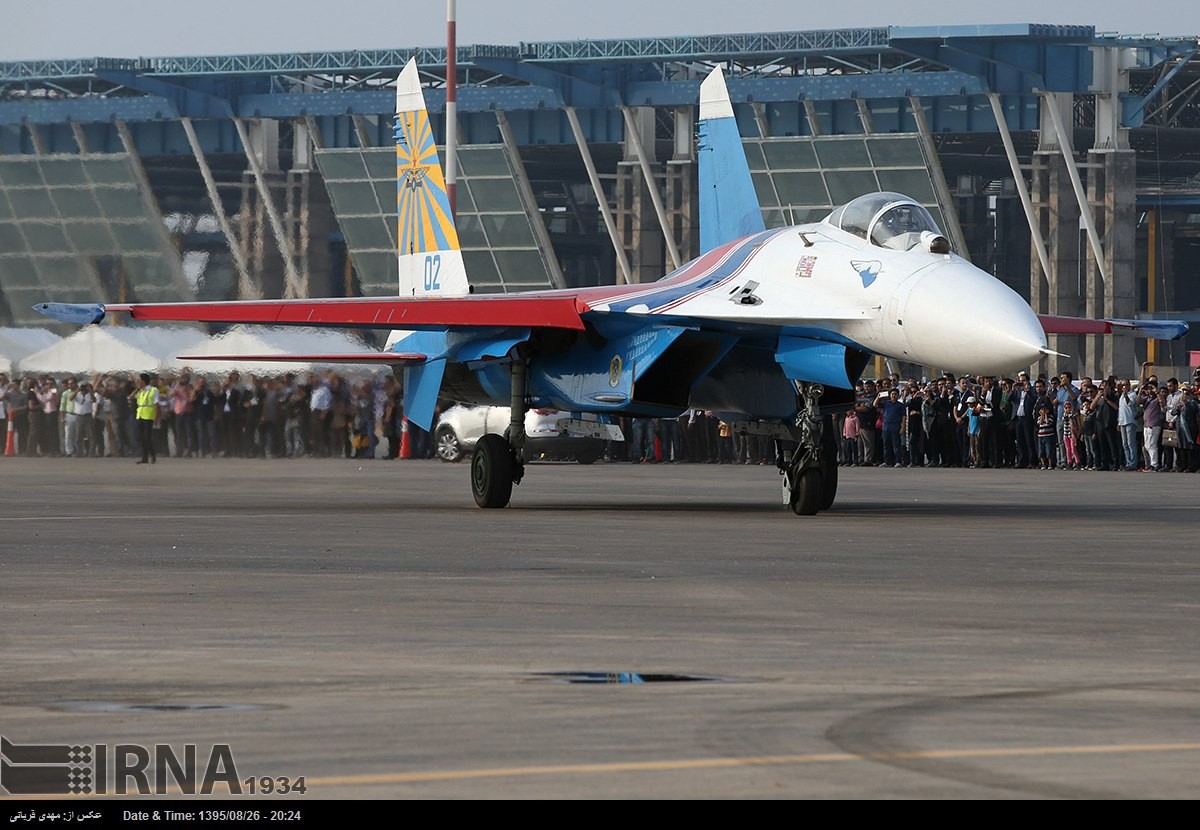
[889, 220]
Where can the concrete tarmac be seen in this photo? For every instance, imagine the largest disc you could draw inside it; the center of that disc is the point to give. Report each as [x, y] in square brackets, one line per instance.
[939, 634]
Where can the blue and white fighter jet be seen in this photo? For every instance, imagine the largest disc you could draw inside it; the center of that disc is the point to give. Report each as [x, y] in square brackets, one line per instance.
[769, 328]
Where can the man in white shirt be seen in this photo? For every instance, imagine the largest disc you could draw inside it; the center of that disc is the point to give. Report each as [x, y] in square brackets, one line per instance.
[1127, 412]
[320, 404]
[1172, 458]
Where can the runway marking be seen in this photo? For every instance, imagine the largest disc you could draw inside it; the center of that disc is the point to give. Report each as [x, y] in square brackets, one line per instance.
[695, 764]
[143, 518]
[752, 761]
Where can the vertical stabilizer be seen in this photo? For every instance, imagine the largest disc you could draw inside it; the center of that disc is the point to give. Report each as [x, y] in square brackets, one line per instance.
[729, 206]
[430, 261]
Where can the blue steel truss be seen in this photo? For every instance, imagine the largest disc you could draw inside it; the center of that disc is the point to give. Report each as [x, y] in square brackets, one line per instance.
[951, 68]
[786, 47]
[708, 47]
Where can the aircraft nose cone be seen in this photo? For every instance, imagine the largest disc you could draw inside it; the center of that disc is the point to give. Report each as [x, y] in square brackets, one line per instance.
[959, 318]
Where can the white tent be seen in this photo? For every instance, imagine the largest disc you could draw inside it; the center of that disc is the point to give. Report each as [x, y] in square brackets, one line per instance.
[98, 349]
[262, 340]
[18, 343]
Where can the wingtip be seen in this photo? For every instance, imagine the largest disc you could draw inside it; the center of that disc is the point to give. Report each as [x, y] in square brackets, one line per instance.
[79, 313]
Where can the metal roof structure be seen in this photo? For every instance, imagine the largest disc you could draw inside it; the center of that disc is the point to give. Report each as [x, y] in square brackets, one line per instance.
[878, 65]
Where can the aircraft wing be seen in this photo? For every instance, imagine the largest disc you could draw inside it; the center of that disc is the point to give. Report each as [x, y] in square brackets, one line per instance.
[1154, 329]
[560, 312]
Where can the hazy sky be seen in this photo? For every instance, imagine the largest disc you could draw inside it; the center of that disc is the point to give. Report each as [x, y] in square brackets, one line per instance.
[129, 28]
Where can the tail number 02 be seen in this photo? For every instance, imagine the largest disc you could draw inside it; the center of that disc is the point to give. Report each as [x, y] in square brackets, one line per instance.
[433, 267]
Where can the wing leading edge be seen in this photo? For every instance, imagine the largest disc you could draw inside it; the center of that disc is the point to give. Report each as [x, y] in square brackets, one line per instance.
[1153, 329]
[355, 358]
[371, 313]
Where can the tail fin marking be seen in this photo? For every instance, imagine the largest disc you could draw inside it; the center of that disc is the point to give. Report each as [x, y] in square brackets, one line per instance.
[430, 262]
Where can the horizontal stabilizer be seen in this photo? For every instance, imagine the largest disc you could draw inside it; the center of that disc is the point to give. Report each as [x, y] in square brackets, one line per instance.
[382, 358]
[1153, 329]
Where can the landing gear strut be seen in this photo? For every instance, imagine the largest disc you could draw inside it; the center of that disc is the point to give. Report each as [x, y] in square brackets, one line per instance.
[809, 470]
[498, 463]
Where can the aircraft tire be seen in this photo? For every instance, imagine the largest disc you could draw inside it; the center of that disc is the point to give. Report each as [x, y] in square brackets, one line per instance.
[829, 483]
[829, 467]
[492, 472]
[806, 495]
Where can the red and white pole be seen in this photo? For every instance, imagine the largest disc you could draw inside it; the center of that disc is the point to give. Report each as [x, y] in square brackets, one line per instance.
[451, 107]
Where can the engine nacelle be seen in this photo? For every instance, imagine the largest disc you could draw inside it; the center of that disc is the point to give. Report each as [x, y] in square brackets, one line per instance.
[819, 361]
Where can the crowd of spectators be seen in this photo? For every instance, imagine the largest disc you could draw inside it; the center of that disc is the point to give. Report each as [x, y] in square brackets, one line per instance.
[1045, 423]
[257, 417]
[981, 422]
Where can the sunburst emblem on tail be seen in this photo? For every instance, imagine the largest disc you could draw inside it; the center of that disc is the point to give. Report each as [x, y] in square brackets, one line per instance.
[424, 207]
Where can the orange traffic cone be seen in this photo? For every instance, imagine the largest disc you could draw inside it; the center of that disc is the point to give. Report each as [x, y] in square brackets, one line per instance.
[405, 443]
[10, 443]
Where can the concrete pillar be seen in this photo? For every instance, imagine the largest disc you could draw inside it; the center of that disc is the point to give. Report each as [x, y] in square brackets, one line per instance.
[644, 119]
[640, 135]
[302, 145]
[1057, 293]
[683, 206]
[265, 262]
[1058, 215]
[685, 133]
[260, 140]
[1110, 80]
[1111, 193]
[683, 199]
[638, 224]
[315, 222]
[247, 289]
[637, 219]
[263, 140]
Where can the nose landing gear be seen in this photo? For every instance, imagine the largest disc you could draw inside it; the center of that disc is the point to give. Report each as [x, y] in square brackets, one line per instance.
[810, 469]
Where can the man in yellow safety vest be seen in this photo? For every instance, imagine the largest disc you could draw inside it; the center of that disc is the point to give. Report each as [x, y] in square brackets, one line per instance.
[146, 400]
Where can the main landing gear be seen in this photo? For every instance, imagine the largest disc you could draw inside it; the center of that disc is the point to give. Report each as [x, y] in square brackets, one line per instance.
[809, 468]
[498, 463]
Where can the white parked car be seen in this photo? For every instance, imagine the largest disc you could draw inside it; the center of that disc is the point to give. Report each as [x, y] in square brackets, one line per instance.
[549, 433]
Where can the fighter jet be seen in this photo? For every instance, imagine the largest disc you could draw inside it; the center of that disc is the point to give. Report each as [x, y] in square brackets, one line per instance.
[770, 328]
